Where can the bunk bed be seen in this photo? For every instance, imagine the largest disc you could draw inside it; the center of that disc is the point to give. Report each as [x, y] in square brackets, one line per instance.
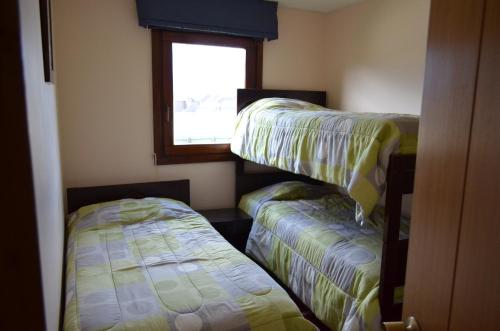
[399, 178]
[139, 258]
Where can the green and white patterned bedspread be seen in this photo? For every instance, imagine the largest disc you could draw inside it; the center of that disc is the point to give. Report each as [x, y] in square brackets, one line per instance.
[155, 264]
[313, 245]
[351, 150]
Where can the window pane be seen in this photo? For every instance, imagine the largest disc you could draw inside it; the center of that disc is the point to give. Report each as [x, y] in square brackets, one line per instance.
[205, 79]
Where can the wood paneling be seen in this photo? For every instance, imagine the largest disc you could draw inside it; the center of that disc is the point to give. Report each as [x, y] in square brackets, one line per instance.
[476, 296]
[451, 69]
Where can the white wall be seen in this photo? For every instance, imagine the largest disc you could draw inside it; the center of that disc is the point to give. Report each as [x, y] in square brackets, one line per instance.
[103, 60]
[376, 56]
[44, 144]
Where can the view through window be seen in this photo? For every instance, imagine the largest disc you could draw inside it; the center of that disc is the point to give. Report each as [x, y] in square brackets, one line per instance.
[205, 80]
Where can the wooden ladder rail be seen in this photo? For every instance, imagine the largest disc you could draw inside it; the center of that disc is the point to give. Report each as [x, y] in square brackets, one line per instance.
[400, 178]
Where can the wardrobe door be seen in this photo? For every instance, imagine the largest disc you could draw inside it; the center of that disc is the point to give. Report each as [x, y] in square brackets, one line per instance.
[476, 295]
[448, 102]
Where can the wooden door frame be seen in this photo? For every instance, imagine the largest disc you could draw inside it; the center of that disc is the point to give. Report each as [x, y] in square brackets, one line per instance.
[21, 272]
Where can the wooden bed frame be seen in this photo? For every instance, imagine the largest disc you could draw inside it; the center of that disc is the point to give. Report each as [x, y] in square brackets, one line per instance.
[400, 177]
[83, 196]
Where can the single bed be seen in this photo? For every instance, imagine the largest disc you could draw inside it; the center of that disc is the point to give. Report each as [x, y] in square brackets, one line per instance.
[378, 162]
[309, 239]
[152, 263]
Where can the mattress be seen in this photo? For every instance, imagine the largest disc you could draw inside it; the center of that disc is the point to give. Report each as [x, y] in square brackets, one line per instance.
[155, 264]
[329, 261]
[347, 149]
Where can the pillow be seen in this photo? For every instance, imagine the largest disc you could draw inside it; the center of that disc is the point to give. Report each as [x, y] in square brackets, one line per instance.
[292, 190]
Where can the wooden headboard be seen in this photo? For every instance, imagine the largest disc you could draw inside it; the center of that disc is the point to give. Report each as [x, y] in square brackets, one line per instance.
[249, 182]
[83, 196]
[247, 96]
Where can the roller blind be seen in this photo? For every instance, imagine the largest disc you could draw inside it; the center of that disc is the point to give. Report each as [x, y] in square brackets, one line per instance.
[248, 18]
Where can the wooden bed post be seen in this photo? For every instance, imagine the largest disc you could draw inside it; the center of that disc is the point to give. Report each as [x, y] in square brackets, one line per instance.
[400, 176]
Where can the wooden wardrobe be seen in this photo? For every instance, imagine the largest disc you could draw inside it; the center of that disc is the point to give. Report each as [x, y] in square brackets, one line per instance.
[453, 272]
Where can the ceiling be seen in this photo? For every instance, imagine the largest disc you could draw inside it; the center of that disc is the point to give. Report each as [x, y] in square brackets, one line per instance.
[324, 6]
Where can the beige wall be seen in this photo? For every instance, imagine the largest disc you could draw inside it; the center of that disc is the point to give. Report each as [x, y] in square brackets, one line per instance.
[369, 57]
[376, 56]
[103, 61]
[296, 60]
[44, 144]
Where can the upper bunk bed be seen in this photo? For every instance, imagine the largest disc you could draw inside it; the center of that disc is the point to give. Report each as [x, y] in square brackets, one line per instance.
[367, 154]
[351, 150]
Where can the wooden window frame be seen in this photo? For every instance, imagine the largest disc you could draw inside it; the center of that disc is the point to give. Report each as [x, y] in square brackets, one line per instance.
[165, 150]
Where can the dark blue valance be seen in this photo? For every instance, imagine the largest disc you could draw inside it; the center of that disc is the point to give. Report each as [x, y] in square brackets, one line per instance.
[248, 18]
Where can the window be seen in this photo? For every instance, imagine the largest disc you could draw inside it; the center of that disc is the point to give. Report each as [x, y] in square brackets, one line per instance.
[195, 79]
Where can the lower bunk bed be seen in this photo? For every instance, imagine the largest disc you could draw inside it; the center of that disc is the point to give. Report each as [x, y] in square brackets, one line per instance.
[307, 237]
[137, 260]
